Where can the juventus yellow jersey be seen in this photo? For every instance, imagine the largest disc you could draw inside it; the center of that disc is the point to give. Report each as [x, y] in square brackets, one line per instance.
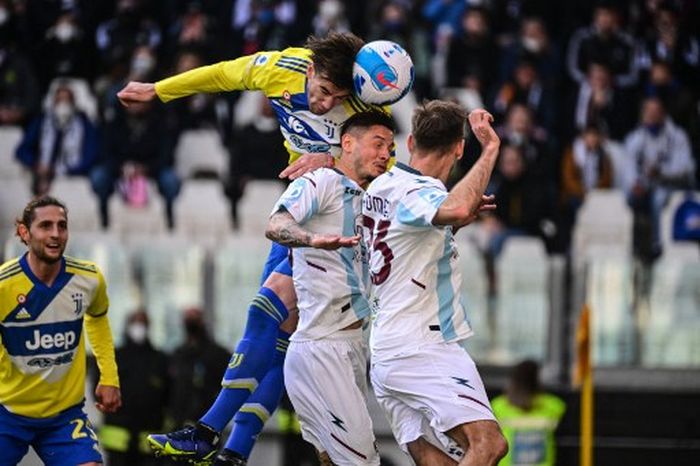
[281, 76]
[42, 351]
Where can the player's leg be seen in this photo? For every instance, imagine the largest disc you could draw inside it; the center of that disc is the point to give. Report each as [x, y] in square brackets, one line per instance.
[482, 442]
[249, 364]
[69, 440]
[15, 437]
[251, 417]
[326, 381]
[425, 453]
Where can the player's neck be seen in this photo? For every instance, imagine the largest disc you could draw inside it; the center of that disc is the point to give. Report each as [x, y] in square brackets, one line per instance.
[431, 165]
[46, 272]
[348, 170]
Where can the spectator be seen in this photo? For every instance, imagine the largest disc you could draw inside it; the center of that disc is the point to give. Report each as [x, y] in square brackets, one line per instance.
[527, 88]
[63, 51]
[194, 30]
[601, 104]
[587, 165]
[330, 18]
[195, 370]
[603, 42]
[61, 141]
[143, 373]
[471, 52]
[535, 46]
[520, 130]
[19, 93]
[528, 417]
[671, 44]
[117, 38]
[138, 142]
[658, 161]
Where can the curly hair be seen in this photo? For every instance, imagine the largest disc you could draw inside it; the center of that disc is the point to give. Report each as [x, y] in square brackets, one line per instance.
[334, 55]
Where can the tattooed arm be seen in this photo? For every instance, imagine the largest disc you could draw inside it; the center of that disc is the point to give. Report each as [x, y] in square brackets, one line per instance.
[283, 229]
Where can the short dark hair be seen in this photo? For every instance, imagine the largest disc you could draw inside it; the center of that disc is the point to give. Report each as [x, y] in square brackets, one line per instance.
[525, 376]
[29, 212]
[334, 55]
[366, 120]
[438, 125]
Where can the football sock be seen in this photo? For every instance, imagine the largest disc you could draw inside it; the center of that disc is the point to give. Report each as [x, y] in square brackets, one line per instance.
[252, 416]
[252, 359]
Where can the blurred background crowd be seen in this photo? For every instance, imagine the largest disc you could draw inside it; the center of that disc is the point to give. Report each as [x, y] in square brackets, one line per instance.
[596, 102]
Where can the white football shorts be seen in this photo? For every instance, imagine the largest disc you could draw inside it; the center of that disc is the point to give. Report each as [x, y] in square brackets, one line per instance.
[426, 392]
[327, 383]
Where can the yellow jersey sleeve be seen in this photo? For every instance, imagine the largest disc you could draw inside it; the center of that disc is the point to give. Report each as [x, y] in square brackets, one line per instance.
[99, 334]
[100, 302]
[258, 72]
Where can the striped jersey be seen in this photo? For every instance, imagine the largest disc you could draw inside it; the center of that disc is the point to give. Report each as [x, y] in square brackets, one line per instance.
[328, 284]
[42, 354]
[413, 264]
[281, 76]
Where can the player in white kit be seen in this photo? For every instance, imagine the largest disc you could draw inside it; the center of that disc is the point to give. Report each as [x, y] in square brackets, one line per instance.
[424, 380]
[325, 369]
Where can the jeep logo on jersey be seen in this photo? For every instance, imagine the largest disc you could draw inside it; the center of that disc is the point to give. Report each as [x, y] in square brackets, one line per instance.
[58, 340]
[296, 126]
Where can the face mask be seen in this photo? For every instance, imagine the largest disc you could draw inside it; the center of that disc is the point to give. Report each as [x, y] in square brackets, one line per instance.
[142, 65]
[137, 332]
[4, 16]
[654, 129]
[63, 111]
[532, 45]
[64, 32]
[330, 9]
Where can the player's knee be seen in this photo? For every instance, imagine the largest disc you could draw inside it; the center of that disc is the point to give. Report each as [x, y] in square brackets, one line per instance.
[283, 286]
[490, 445]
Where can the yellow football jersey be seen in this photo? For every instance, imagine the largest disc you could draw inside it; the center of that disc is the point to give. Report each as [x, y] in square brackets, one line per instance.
[42, 351]
[281, 76]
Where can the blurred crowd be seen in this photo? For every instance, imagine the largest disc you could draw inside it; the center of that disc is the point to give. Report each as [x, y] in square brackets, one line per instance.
[587, 94]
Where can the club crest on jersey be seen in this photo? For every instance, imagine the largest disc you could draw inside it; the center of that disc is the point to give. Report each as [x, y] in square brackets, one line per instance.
[21, 299]
[286, 96]
[78, 301]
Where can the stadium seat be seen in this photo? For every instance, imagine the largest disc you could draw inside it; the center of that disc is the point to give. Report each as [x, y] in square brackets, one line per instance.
[475, 295]
[202, 212]
[603, 219]
[10, 168]
[522, 309]
[236, 278]
[82, 203]
[126, 220]
[669, 211]
[201, 151]
[671, 334]
[254, 207]
[172, 270]
[608, 292]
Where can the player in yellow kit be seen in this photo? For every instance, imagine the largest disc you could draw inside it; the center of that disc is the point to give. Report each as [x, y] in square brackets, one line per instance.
[46, 299]
[310, 90]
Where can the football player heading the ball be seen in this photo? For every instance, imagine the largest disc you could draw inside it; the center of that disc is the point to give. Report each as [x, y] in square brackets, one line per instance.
[311, 91]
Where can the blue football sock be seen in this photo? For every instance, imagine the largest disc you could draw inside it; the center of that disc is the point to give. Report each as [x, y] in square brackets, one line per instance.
[250, 419]
[252, 359]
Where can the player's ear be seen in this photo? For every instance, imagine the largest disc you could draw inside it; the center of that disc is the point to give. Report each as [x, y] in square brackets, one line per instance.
[460, 149]
[23, 233]
[310, 71]
[410, 143]
[347, 142]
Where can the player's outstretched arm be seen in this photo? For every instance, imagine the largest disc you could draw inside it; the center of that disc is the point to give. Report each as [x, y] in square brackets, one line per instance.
[284, 230]
[307, 163]
[466, 199]
[136, 92]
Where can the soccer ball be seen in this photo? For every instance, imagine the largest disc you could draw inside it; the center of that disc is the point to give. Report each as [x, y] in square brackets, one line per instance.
[382, 73]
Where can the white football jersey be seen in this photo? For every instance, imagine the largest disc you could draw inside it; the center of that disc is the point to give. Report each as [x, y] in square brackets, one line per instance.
[413, 264]
[329, 285]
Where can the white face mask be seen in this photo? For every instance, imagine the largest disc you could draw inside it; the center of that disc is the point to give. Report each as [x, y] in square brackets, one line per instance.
[63, 111]
[142, 65]
[532, 45]
[330, 9]
[4, 16]
[65, 32]
[137, 332]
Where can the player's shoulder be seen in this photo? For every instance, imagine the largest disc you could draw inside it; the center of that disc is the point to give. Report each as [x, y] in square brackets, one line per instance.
[82, 267]
[10, 269]
[295, 59]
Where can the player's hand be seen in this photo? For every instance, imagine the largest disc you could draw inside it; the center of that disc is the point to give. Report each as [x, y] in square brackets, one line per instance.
[136, 92]
[306, 163]
[331, 242]
[480, 122]
[108, 399]
[487, 203]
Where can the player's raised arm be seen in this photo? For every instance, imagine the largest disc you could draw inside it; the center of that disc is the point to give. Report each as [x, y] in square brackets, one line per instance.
[467, 198]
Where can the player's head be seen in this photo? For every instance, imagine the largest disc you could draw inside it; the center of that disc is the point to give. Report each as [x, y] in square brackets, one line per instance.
[437, 128]
[367, 139]
[524, 383]
[43, 227]
[330, 74]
